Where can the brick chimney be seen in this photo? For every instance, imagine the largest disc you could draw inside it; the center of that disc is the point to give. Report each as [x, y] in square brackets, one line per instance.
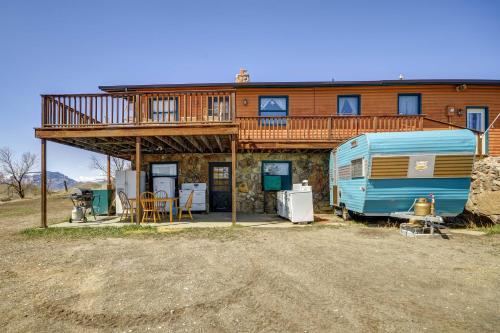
[242, 76]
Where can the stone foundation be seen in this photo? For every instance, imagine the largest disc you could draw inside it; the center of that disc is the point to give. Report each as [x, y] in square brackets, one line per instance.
[250, 196]
[484, 197]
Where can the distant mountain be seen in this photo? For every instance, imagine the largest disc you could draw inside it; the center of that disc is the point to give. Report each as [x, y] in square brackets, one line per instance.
[55, 180]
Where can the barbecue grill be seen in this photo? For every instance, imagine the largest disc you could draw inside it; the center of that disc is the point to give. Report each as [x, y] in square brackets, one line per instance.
[82, 202]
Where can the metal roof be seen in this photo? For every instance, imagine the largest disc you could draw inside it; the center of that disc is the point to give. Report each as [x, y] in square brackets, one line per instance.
[308, 84]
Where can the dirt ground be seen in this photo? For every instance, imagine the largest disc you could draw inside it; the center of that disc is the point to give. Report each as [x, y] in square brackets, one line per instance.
[312, 279]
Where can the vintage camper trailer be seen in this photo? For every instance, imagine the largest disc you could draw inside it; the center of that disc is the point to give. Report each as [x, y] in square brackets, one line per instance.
[376, 174]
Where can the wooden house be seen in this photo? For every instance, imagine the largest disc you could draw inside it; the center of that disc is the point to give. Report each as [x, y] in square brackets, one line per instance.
[231, 135]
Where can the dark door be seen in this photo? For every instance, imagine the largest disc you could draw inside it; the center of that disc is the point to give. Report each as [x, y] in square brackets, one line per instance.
[220, 186]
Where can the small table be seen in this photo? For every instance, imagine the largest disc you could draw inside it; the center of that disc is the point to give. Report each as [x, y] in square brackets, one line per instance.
[170, 201]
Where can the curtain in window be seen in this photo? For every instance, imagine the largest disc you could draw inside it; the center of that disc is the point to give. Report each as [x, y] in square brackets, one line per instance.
[408, 105]
[474, 121]
[273, 107]
[349, 105]
[273, 104]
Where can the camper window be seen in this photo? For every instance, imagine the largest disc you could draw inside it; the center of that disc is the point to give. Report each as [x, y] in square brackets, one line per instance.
[357, 170]
[345, 172]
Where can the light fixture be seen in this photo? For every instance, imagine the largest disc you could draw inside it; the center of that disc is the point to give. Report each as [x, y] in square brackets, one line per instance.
[245, 101]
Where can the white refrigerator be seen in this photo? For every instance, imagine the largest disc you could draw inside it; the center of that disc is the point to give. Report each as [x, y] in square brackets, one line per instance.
[166, 184]
[125, 181]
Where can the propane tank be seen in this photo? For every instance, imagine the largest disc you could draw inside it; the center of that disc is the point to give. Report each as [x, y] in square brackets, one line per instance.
[77, 214]
[422, 207]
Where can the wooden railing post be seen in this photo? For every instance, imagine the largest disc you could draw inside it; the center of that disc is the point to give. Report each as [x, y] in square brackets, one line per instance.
[44, 118]
[375, 124]
[233, 106]
[137, 109]
[330, 127]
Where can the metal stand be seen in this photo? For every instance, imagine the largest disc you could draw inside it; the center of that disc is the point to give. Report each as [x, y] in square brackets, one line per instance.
[430, 223]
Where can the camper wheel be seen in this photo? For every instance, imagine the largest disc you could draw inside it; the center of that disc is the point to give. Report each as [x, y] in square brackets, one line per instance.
[346, 216]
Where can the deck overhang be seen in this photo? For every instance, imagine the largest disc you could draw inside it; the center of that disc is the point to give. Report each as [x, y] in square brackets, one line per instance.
[120, 141]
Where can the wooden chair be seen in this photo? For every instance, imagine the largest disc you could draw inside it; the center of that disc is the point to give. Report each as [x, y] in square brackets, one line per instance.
[187, 206]
[127, 209]
[149, 209]
[161, 206]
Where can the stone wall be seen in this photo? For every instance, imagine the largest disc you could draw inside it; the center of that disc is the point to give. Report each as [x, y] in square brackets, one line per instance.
[250, 197]
[484, 197]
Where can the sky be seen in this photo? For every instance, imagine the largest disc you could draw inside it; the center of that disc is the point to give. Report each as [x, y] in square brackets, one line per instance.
[75, 46]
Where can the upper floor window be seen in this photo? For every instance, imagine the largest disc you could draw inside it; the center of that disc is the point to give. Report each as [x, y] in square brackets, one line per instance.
[274, 107]
[163, 109]
[348, 105]
[218, 107]
[409, 104]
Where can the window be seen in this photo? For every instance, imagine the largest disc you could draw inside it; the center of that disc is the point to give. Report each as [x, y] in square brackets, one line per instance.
[221, 178]
[164, 169]
[276, 175]
[357, 168]
[218, 107]
[273, 106]
[345, 172]
[409, 104]
[348, 105]
[163, 109]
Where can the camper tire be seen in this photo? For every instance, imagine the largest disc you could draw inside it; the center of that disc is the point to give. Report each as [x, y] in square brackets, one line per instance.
[346, 216]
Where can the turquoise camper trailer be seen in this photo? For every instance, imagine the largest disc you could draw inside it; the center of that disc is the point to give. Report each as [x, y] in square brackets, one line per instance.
[376, 174]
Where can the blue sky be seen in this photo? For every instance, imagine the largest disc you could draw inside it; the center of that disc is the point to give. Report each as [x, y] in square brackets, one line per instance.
[74, 46]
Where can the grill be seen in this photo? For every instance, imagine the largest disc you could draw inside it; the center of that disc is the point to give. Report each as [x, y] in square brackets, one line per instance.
[82, 202]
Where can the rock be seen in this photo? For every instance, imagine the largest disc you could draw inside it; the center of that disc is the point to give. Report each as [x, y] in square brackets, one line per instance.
[484, 196]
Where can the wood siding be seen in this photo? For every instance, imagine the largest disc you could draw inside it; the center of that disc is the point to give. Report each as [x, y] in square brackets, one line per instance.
[379, 101]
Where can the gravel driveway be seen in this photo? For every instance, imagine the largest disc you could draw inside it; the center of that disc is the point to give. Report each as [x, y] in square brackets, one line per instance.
[313, 279]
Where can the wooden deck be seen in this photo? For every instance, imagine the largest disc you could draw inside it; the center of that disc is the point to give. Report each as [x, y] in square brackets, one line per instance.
[194, 121]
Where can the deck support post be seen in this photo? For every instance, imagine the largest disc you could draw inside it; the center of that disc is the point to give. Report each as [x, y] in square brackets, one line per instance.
[138, 162]
[233, 180]
[109, 186]
[43, 185]
[108, 172]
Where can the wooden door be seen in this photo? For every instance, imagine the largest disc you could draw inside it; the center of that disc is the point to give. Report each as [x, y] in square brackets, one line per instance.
[219, 186]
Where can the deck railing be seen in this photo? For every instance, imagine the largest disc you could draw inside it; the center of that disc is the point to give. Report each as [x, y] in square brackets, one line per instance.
[322, 128]
[93, 110]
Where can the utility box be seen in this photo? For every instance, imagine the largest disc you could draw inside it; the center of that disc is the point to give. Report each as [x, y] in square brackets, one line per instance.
[102, 201]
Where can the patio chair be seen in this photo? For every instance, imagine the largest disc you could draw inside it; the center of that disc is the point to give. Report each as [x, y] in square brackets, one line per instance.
[187, 206]
[161, 206]
[149, 209]
[127, 209]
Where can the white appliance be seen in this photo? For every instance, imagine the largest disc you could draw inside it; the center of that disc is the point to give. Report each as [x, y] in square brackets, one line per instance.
[199, 195]
[166, 184]
[125, 182]
[280, 204]
[297, 204]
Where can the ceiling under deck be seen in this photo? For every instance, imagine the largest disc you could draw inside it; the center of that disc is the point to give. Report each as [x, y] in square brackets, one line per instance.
[124, 147]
